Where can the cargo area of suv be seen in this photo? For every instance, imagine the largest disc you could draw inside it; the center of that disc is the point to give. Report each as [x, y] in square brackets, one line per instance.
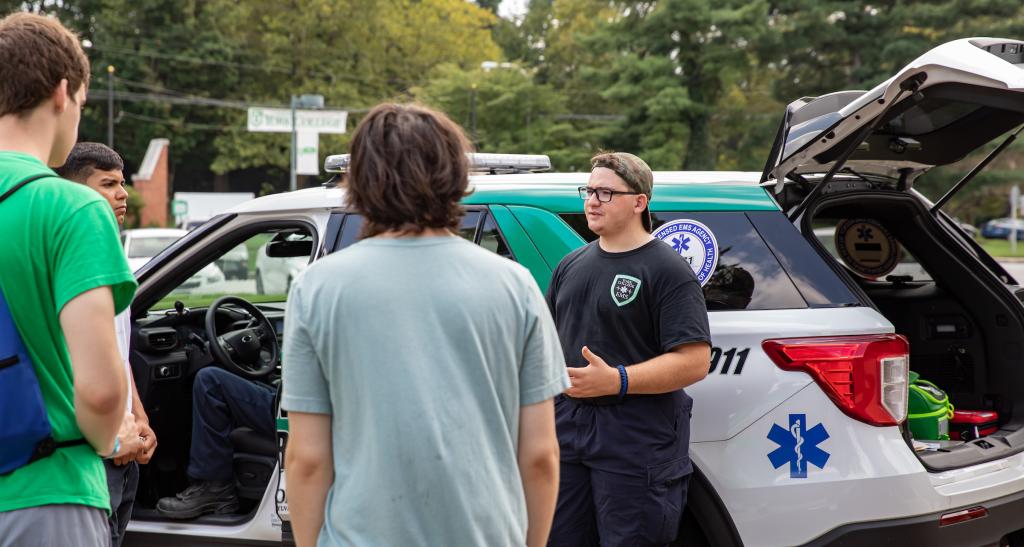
[843, 168]
[964, 324]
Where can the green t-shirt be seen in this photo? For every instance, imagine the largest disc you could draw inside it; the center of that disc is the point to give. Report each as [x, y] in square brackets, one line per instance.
[60, 239]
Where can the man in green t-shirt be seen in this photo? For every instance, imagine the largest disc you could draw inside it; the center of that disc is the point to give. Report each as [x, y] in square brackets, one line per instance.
[64, 278]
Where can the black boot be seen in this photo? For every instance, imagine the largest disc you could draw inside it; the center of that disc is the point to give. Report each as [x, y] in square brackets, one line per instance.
[217, 497]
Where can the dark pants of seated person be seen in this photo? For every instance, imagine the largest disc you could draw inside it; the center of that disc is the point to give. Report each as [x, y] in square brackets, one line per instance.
[221, 403]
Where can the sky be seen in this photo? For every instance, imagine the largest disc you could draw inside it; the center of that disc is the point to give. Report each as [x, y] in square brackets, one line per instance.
[512, 8]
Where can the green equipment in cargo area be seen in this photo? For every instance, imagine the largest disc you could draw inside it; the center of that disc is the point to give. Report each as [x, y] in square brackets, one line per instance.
[930, 410]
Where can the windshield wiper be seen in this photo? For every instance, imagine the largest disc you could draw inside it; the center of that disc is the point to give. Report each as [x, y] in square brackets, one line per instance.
[977, 169]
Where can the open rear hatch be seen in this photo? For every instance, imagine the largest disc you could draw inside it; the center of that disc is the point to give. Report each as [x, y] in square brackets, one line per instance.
[938, 109]
[871, 146]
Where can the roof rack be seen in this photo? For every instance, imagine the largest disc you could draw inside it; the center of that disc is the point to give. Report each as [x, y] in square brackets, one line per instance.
[487, 163]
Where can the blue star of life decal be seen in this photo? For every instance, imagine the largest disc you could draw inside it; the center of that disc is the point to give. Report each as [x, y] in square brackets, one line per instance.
[798, 446]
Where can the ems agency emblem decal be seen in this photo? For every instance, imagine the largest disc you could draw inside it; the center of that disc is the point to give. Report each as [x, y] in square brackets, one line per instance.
[625, 289]
[693, 241]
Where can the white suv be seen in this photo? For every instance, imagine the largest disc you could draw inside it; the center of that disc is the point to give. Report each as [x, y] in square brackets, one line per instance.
[799, 432]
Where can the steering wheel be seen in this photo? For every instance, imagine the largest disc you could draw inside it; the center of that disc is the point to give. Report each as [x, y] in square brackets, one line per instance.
[243, 350]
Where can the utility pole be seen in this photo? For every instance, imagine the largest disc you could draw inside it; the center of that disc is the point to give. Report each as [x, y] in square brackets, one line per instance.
[472, 111]
[292, 178]
[307, 102]
[110, 106]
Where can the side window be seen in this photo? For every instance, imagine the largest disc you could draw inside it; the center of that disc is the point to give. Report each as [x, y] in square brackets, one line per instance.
[748, 275]
[469, 223]
[350, 231]
[492, 240]
[259, 269]
[813, 277]
[354, 224]
[488, 236]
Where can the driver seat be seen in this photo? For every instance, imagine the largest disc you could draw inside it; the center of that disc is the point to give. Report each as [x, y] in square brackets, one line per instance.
[254, 462]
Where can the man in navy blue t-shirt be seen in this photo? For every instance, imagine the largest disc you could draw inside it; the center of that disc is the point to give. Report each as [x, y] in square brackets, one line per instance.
[633, 325]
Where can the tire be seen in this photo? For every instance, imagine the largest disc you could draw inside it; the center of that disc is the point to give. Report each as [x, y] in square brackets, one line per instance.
[705, 521]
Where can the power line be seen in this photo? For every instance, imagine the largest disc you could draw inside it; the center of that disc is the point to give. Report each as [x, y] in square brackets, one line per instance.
[202, 61]
[192, 100]
[150, 87]
[183, 125]
[330, 76]
[592, 117]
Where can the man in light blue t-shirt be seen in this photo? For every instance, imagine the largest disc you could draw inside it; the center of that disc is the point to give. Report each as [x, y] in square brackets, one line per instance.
[419, 369]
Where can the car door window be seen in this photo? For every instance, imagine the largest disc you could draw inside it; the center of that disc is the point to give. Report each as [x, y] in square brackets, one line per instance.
[488, 236]
[492, 240]
[749, 275]
[259, 269]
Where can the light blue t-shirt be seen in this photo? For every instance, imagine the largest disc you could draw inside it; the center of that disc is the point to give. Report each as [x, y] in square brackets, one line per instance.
[423, 350]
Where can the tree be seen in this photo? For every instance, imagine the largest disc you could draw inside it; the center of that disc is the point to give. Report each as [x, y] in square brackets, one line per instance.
[674, 62]
[171, 56]
[383, 50]
[510, 112]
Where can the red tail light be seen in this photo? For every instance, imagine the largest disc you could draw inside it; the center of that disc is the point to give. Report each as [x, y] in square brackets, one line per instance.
[864, 375]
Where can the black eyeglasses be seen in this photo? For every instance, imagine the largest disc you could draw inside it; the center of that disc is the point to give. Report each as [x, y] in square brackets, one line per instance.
[604, 195]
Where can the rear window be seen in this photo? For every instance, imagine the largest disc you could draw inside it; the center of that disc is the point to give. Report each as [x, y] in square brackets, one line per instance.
[764, 263]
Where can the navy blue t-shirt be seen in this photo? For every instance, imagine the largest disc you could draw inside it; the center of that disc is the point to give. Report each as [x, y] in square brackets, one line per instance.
[626, 307]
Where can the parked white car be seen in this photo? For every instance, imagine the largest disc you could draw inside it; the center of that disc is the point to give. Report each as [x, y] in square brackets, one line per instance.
[142, 244]
[274, 274]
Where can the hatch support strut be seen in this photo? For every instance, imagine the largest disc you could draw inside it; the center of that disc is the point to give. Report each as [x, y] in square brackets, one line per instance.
[977, 169]
[910, 85]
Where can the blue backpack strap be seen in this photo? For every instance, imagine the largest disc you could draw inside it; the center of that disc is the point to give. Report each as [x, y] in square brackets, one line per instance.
[46, 445]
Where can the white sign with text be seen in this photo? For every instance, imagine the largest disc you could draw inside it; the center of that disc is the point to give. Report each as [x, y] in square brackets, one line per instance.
[279, 120]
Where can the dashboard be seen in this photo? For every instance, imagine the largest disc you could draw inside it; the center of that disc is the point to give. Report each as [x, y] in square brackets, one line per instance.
[172, 345]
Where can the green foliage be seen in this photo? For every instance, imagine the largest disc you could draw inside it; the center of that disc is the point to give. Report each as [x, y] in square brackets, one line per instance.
[1001, 247]
[503, 110]
[691, 84]
[135, 204]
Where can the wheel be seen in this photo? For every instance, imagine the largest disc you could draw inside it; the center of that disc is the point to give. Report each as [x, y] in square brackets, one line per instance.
[705, 520]
[251, 351]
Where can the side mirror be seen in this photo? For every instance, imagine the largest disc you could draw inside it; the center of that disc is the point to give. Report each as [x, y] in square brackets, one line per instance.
[289, 249]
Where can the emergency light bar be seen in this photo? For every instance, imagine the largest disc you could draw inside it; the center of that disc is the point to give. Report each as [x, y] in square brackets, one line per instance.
[489, 163]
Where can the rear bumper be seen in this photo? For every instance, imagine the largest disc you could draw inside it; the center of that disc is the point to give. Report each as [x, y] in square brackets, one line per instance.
[1004, 517]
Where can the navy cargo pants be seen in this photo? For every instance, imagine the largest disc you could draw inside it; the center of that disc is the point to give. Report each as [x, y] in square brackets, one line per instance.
[222, 402]
[625, 470]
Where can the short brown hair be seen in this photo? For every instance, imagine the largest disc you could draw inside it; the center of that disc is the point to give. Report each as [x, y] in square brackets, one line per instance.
[408, 170]
[634, 172]
[631, 169]
[36, 53]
